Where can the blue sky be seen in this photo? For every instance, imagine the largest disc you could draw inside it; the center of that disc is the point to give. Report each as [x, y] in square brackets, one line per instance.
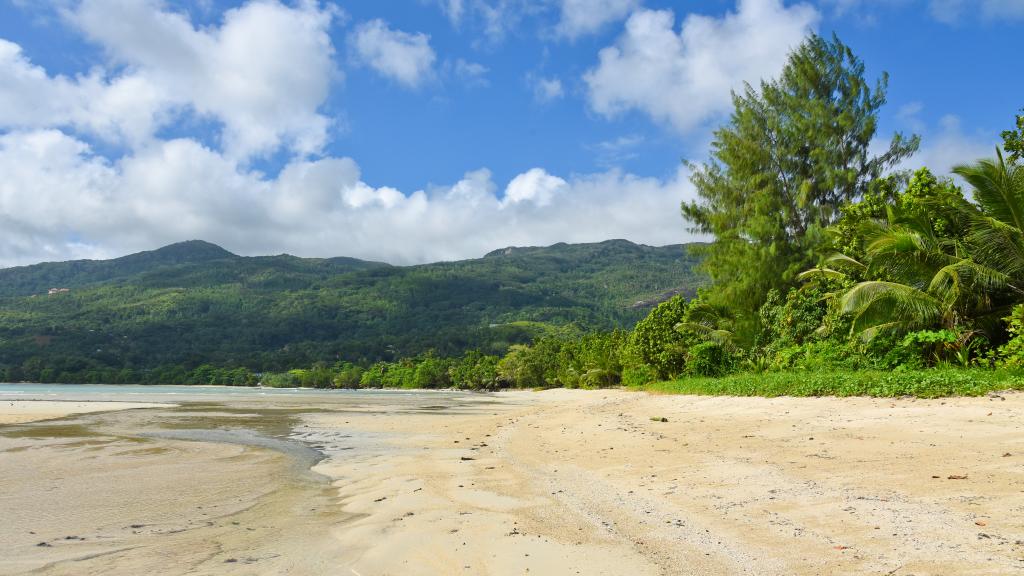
[419, 130]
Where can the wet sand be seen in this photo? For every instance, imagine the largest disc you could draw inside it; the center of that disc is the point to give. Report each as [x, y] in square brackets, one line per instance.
[166, 490]
[558, 482]
[21, 411]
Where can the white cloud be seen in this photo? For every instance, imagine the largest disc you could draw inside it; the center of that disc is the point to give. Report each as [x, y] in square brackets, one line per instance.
[615, 152]
[949, 145]
[471, 73]
[58, 200]
[909, 114]
[686, 78]
[995, 9]
[454, 9]
[242, 74]
[259, 76]
[405, 58]
[127, 108]
[494, 19]
[842, 8]
[953, 11]
[546, 89]
[947, 11]
[580, 17]
[536, 186]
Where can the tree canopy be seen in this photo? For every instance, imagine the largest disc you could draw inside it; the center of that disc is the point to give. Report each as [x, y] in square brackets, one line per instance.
[796, 149]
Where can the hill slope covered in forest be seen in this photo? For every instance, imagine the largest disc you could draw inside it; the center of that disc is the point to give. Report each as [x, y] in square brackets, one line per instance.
[194, 303]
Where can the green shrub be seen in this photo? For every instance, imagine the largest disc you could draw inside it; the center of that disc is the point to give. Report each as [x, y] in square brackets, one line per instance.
[279, 380]
[639, 375]
[944, 346]
[1011, 354]
[656, 342]
[926, 383]
[709, 359]
[347, 375]
[475, 371]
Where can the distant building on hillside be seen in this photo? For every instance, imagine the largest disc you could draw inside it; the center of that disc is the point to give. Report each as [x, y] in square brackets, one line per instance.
[53, 291]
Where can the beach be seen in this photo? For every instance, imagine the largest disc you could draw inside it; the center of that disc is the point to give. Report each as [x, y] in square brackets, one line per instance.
[19, 412]
[554, 482]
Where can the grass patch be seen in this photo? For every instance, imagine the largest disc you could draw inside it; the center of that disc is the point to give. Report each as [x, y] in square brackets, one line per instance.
[929, 383]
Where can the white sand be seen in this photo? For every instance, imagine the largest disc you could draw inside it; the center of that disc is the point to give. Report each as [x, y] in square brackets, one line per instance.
[558, 482]
[584, 482]
[20, 411]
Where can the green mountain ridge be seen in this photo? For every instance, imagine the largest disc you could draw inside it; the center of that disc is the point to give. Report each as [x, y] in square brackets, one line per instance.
[37, 278]
[193, 302]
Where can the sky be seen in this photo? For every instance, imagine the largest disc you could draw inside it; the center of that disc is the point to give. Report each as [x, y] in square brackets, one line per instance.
[413, 131]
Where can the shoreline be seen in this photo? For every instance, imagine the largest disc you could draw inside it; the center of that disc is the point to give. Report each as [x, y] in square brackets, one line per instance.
[557, 481]
[589, 482]
[683, 387]
[26, 410]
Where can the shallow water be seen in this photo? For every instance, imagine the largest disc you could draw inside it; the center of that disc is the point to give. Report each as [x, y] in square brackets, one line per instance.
[168, 393]
[250, 499]
[267, 418]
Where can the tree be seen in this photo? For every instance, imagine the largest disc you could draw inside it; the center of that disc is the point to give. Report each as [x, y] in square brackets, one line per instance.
[928, 199]
[1013, 141]
[939, 261]
[997, 224]
[657, 343]
[795, 150]
[521, 367]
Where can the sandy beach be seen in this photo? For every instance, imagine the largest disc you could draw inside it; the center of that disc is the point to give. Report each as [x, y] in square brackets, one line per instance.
[556, 482]
[21, 411]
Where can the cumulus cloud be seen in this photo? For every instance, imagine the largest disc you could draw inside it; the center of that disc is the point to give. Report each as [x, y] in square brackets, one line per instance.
[125, 109]
[581, 17]
[59, 200]
[403, 57]
[61, 197]
[534, 186]
[686, 78]
[242, 74]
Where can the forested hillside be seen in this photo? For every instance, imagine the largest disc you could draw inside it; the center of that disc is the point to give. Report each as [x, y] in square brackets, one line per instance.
[833, 271]
[195, 303]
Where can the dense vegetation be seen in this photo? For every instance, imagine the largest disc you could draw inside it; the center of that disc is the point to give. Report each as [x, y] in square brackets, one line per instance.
[832, 272]
[193, 312]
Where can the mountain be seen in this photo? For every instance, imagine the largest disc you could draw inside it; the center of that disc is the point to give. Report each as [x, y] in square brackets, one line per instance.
[176, 260]
[192, 303]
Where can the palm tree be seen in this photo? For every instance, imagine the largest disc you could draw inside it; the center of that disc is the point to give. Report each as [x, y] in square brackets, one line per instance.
[714, 322]
[997, 225]
[921, 279]
[918, 281]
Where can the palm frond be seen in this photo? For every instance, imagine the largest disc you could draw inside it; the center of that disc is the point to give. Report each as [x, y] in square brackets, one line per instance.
[821, 274]
[997, 245]
[964, 278]
[998, 188]
[843, 261]
[876, 303]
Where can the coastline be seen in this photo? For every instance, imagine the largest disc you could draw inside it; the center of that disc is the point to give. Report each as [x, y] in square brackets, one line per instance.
[588, 482]
[559, 481]
[22, 411]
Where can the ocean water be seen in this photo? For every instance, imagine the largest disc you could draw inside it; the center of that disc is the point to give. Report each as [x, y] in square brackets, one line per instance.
[158, 393]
